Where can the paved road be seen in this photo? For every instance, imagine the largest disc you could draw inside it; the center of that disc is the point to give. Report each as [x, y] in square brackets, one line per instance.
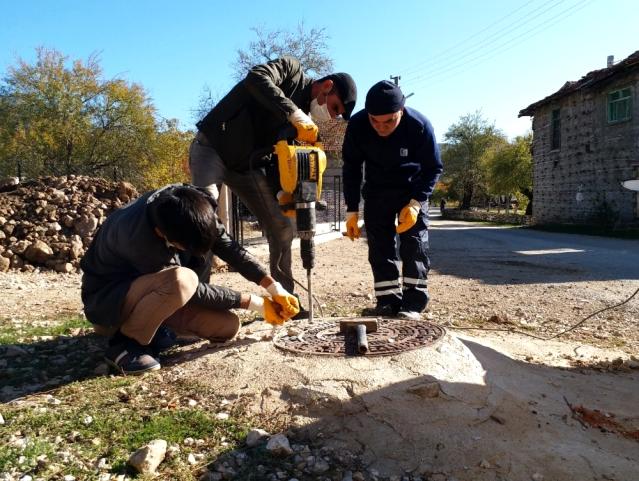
[500, 255]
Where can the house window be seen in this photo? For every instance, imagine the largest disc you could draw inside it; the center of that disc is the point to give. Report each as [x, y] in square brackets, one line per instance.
[555, 130]
[619, 105]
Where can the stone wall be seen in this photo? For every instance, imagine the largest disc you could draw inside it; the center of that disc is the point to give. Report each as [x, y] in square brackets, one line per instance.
[571, 184]
[48, 223]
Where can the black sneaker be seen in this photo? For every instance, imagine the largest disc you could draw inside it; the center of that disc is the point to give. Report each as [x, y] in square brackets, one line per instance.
[129, 357]
[380, 310]
[409, 315]
[163, 340]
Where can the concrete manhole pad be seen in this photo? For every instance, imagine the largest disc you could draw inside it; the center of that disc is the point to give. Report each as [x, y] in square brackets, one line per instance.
[393, 336]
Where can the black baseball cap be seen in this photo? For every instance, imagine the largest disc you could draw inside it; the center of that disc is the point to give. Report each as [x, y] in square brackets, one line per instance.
[346, 90]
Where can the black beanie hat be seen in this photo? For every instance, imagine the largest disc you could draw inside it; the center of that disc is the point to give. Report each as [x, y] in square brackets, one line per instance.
[346, 90]
[384, 98]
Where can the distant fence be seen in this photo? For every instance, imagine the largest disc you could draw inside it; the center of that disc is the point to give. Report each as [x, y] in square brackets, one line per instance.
[245, 228]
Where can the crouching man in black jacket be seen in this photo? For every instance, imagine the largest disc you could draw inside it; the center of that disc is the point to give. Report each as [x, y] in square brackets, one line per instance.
[146, 276]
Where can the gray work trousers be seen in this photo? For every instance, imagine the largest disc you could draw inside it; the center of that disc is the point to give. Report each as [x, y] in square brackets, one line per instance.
[252, 187]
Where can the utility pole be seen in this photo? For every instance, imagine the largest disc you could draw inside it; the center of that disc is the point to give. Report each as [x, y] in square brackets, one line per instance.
[396, 78]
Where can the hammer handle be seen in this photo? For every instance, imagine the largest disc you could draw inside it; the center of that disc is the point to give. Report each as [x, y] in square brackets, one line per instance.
[362, 341]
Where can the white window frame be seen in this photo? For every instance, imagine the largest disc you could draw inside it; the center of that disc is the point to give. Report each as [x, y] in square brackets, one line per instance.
[613, 113]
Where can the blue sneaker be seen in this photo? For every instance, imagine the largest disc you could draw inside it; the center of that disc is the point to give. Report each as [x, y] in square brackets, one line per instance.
[163, 340]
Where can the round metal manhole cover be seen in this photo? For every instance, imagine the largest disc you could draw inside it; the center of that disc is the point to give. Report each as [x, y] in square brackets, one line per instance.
[393, 336]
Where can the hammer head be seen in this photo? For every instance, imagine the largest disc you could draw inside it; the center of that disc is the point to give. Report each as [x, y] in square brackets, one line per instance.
[350, 325]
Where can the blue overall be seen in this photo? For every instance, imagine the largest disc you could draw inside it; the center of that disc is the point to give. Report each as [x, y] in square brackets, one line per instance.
[403, 166]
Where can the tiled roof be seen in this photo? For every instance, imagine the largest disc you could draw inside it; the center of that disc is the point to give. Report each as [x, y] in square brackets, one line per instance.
[587, 81]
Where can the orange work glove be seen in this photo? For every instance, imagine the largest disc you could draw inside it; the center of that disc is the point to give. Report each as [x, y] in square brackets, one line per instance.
[306, 129]
[287, 302]
[270, 311]
[408, 216]
[352, 228]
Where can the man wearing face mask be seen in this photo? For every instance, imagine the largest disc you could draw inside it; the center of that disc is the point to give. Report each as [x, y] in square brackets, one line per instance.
[247, 123]
[397, 146]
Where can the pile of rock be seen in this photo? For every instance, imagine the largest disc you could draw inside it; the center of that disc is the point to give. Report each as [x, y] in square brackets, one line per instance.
[48, 223]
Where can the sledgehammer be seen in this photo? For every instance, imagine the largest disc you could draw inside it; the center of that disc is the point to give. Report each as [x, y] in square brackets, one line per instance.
[360, 327]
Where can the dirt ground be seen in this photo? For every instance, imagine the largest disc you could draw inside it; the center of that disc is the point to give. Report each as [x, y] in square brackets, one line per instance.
[508, 406]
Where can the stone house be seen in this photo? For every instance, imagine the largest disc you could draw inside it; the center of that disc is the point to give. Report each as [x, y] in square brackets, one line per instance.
[585, 143]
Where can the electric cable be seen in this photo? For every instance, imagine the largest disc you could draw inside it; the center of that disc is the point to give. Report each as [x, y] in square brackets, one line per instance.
[416, 67]
[554, 336]
[504, 47]
[493, 38]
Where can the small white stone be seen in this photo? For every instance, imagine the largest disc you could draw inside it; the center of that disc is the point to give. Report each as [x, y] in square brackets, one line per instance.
[87, 419]
[191, 459]
[278, 445]
[255, 436]
[68, 477]
[1, 420]
[537, 477]
[192, 403]
[146, 459]
[222, 416]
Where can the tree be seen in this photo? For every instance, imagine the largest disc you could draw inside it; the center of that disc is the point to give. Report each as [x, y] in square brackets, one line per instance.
[309, 47]
[168, 162]
[510, 169]
[57, 119]
[467, 142]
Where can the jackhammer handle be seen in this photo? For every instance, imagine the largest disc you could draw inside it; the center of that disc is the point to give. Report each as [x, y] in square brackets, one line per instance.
[362, 340]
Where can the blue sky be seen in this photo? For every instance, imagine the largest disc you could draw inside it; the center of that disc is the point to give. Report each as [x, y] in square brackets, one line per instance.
[456, 57]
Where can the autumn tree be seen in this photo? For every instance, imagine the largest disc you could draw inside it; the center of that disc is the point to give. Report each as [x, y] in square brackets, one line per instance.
[60, 119]
[467, 143]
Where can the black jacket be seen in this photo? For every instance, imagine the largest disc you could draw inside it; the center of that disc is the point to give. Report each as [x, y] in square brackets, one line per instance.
[126, 247]
[250, 117]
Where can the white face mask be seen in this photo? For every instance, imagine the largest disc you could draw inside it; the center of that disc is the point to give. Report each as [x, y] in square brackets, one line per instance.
[320, 112]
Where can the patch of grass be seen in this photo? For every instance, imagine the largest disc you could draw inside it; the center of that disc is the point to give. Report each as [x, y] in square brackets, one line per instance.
[125, 413]
[12, 334]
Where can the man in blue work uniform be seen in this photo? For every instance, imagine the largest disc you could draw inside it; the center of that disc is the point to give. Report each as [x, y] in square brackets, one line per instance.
[397, 147]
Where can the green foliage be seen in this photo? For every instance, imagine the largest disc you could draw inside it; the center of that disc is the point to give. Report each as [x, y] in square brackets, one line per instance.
[509, 166]
[11, 334]
[59, 118]
[467, 144]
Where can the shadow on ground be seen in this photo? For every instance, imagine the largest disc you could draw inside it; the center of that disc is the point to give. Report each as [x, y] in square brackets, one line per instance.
[49, 364]
[517, 423]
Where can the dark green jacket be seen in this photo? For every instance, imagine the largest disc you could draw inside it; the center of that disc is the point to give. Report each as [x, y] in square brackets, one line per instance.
[250, 117]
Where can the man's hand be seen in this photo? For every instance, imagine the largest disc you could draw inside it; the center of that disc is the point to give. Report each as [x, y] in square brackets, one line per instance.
[288, 304]
[352, 229]
[408, 216]
[306, 128]
[269, 310]
[287, 206]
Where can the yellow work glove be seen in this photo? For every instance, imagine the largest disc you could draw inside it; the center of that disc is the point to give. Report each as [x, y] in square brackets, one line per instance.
[408, 216]
[287, 302]
[306, 128]
[269, 310]
[285, 200]
[352, 229]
